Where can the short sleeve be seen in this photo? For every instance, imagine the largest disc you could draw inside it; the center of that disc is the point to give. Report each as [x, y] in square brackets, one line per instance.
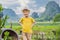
[21, 19]
[33, 20]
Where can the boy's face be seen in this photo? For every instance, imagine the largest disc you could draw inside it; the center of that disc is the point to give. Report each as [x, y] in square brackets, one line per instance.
[26, 13]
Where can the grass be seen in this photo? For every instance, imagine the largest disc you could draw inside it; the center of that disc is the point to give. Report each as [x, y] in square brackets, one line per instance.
[42, 27]
[38, 27]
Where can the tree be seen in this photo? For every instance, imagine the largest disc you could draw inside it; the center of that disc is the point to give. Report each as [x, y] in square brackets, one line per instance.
[2, 20]
[1, 8]
[1, 15]
[35, 15]
[57, 18]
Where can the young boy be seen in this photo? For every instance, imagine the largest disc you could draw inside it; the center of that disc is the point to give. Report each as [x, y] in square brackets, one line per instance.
[26, 23]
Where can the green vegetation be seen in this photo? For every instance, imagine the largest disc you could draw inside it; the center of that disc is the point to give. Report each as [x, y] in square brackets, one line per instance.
[1, 8]
[48, 28]
[57, 18]
[2, 20]
[6, 36]
[1, 15]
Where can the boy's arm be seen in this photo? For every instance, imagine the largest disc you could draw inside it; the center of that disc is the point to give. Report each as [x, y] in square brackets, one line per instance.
[33, 22]
[20, 21]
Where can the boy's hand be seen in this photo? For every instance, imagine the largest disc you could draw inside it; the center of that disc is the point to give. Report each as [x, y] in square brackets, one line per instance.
[33, 24]
[20, 23]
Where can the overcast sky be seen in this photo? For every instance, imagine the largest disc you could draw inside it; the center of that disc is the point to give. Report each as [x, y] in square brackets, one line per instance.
[33, 5]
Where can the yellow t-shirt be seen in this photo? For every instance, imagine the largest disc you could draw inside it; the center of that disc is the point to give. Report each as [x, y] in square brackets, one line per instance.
[27, 24]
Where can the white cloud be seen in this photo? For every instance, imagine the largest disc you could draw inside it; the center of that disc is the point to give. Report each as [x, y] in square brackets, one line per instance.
[34, 6]
[41, 9]
[32, 2]
[7, 3]
[23, 4]
[18, 10]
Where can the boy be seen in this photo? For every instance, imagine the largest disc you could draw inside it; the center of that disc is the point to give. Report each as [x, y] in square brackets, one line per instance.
[26, 23]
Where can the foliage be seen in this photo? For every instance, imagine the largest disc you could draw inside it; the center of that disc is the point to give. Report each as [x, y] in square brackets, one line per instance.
[35, 15]
[42, 27]
[1, 15]
[2, 20]
[57, 18]
[1, 8]
[52, 8]
[58, 34]
[6, 36]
